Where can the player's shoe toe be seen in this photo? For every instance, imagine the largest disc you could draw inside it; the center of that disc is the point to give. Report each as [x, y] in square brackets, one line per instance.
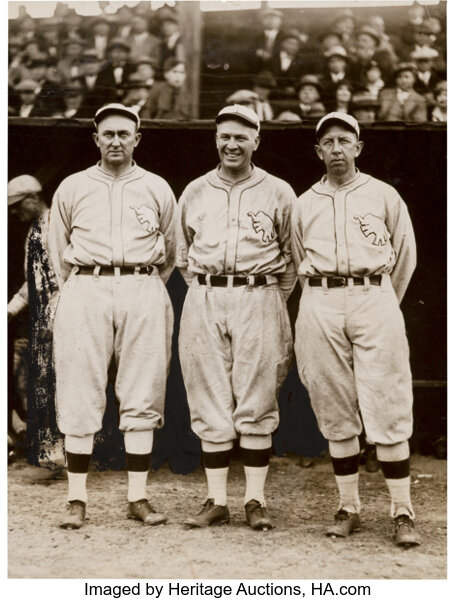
[344, 524]
[210, 514]
[405, 534]
[257, 516]
[74, 515]
[141, 510]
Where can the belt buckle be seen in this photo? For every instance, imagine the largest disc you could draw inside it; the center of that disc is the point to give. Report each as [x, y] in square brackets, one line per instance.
[338, 281]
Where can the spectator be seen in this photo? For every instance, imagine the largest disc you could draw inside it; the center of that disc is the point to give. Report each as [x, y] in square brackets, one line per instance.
[145, 67]
[344, 25]
[142, 42]
[94, 94]
[73, 100]
[68, 67]
[374, 81]
[263, 84]
[420, 35]
[115, 72]
[27, 28]
[402, 103]
[49, 93]
[309, 90]
[439, 111]
[169, 98]
[367, 50]
[124, 17]
[49, 36]
[100, 35]
[427, 76]
[364, 106]
[377, 22]
[266, 44]
[171, 45]
[246, 98]
[335, 71]
[26, 105]
[39, 293]
[342, 97]
[287, 66]
[137, 92]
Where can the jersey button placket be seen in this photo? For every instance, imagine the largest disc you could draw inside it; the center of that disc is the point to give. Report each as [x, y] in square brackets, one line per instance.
[116, 223]
[233, 211]
[341, 242]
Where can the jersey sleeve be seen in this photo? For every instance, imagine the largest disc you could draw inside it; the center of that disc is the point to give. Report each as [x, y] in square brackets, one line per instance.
[403, 241]
[59, 237]
[287, 279]
[297, 246]
[168, 229]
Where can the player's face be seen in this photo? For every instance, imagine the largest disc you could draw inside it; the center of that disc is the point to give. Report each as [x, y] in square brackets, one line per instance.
[235, 144]
[117, 138]
[338, 148]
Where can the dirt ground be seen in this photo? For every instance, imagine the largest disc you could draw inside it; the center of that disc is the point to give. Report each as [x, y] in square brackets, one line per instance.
[301, 502]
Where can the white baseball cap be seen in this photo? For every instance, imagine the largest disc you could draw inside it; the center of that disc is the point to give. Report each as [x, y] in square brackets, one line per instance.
[238, 111]
[341, 117]
[117, 109]
[22, 186]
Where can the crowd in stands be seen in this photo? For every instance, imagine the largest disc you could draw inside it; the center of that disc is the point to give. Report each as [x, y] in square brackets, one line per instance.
[67, 66]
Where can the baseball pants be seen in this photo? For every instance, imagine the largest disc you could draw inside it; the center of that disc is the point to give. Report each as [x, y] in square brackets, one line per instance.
[235, 347]
[352, 355]
[128, 316]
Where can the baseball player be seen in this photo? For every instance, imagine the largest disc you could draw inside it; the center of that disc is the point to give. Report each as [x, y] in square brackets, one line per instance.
[39, 294]
[112, 244]
[235, 343]
[354, 250]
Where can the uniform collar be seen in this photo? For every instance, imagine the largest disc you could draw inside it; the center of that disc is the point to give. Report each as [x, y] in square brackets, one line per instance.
[97, 172]
[322, 186]
[256, 175]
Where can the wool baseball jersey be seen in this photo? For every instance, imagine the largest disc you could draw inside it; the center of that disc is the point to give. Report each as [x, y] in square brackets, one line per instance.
[241, 228]
[98, 219]
[360, 229]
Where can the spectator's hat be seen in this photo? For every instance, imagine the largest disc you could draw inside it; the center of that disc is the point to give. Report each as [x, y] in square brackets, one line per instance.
[274, 12]
[116, 109]
[75, 40]
[26, 85]
[336, 51]
[241, 113]
[135, 82]
[372, 64]
[364, 99]
[292, 34]
[144, 60]
[424, 53]
[327, 33]
[404, 66]
[242, 97]
[72, 88]
[90, 55]
[166, 13]
[265, 79]
[336, 118]
[170, 63]
[309, 80]
[118, 42]
[100, 19]
[424, 27]
[368, 30]
[49, 23]
[22, 186]
[15, 41]
[344, 13]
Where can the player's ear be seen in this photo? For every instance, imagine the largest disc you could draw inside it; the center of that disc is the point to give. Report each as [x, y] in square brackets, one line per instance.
[318, 151]
[359, 147]
[138, 137]
[95, 138]
[257, 142]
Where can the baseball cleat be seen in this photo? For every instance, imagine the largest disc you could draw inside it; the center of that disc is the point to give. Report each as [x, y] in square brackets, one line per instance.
[405, 534]
[345, 523]
[257, 516]
[75, 515]
[210, 514]
[141, 510]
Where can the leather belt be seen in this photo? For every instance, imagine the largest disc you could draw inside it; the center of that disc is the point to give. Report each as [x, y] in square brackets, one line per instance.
[338, 282]
[111, 271]
[222, 280]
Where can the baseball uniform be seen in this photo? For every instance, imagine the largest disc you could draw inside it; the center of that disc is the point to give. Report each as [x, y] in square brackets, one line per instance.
[351, 344]
[235, 342]
[121, 226]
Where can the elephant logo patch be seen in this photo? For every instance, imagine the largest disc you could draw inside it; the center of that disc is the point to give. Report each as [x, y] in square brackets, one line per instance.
[262, 223]
[371, 225]
[146, 215]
